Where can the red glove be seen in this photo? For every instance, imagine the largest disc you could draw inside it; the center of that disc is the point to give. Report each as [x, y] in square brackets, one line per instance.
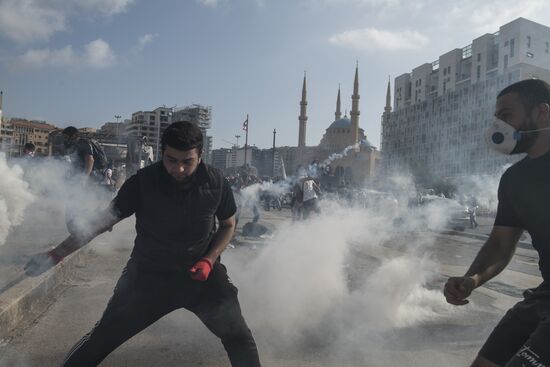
[201, 270]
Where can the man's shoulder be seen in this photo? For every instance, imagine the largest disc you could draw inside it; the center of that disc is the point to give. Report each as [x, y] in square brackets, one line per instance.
[212, 174]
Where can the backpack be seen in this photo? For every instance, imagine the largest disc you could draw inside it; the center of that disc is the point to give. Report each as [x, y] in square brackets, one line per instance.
[100, 158]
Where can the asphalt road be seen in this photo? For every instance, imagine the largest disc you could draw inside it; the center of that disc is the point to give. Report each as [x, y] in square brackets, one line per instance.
[432, 334]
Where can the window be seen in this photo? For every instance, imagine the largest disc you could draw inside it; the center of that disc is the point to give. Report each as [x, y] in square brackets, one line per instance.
[505, 61]
[478, 71]
[512, 43]
[479, 57]
[528, 41]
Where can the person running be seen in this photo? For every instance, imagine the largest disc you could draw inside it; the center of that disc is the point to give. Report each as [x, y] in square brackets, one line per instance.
[522, 125]
[175, 262]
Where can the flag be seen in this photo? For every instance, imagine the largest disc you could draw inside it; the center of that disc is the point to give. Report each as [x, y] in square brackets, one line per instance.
[245, 124]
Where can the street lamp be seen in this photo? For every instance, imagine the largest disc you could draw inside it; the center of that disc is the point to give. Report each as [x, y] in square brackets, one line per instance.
[237, 136]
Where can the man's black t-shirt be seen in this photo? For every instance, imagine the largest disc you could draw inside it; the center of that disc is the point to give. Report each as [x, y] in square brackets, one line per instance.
[82, 148]
[174, 222]
[524, 202]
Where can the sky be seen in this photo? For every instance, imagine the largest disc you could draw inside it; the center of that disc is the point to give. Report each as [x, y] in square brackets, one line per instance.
[81, 62]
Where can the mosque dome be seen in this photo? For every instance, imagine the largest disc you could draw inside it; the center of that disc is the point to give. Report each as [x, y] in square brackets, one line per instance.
[343, 123]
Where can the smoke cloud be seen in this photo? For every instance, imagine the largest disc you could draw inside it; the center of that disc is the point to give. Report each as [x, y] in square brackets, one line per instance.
[14, 197]
[346, 278]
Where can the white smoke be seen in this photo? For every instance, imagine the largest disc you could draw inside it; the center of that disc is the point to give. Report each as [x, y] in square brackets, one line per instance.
[55, 190]
[482, 188]
[308, 281]
[14, 197]
[335, 156]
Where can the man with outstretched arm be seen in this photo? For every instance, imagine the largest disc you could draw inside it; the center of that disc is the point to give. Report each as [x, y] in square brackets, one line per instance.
[175, 262]
[522, 125]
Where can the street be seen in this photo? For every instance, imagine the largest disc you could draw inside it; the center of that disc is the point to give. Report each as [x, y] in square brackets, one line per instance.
[395, 317]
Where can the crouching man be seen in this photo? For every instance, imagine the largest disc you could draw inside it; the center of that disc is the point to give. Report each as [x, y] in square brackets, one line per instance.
[175, 260]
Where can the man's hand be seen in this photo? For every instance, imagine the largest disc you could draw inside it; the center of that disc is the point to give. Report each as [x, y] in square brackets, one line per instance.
[41, 262]
[457, 289]
[201, 270]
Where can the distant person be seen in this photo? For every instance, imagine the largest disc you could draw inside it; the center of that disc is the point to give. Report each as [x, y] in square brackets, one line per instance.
[310, 196]
[175, 262]
[109, 181]
[80, 151]
[522, 125]
[88, 162]
[472, 209]
[29, 150]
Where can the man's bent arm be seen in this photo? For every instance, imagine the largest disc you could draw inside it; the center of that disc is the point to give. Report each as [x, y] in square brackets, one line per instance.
[221, 239]
[495, 254]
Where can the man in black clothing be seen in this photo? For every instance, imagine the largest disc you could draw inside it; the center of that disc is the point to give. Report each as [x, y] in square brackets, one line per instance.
[80, 150]
[175, 262]
[522, 125]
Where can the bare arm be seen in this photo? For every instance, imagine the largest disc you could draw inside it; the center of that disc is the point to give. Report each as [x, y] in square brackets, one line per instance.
[104, 221]
[495, 254]
[221, 239]
[490, 261]
[88, 164]
[41, 262]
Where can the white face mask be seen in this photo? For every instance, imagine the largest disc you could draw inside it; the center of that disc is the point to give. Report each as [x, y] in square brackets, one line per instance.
[503, 138]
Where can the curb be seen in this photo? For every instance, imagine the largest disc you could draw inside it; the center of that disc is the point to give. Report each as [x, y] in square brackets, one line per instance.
[21, 304]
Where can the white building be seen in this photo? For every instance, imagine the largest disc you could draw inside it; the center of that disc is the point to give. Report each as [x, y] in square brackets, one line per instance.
[202, 117]
[442, 109]
[150, 124]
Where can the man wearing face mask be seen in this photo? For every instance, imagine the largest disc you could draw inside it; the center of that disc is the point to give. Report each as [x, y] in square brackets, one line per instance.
[175, 262]
[522, 125]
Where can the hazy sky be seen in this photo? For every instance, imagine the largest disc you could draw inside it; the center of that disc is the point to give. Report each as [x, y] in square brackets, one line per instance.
[83, 61]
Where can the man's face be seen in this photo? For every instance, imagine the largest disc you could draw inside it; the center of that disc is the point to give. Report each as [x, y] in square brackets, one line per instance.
[180, 164]
[68, 141]
[510, 109]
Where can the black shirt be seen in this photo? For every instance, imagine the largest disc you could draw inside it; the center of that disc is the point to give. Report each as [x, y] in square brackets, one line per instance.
[174, 222]
[79, 151]
[524, 202]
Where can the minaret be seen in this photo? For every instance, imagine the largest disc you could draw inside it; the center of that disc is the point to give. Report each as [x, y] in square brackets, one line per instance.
[338, 113]
[387, 109]
[303, 116]
[1, 98]
[354, 114]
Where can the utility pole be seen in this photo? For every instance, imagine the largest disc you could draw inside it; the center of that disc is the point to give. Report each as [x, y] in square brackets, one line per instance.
[273, 162]
[237, 136]
[246, 143]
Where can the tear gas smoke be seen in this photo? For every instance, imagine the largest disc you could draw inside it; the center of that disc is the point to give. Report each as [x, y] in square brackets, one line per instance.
[59, 196]
[14, 197]
[350, 272]
[335, 156]
[483, 188]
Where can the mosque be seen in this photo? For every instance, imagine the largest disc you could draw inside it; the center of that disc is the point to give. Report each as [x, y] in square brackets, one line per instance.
[343, 135]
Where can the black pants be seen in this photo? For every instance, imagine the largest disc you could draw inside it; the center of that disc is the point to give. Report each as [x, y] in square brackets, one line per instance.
[143, 295]
[521, 337]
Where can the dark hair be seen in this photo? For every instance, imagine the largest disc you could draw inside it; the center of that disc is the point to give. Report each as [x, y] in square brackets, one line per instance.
[532, 92]
[182, 136]
[70, 131]
[29, 146]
